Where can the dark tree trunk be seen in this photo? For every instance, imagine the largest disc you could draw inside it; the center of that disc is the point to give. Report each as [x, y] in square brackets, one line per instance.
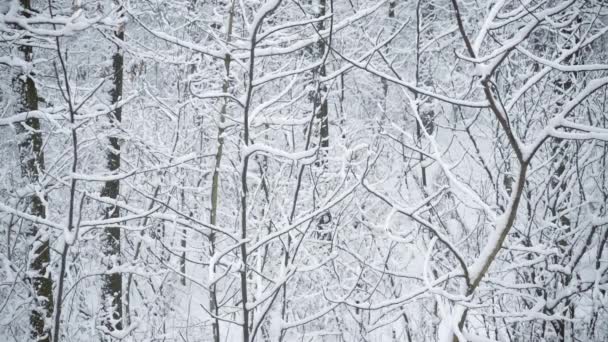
[110, 244]
[32, 164]
[321, 96]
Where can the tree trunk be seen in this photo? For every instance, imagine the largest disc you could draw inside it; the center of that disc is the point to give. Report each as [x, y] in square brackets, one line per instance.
[31, 158]
[110, 241]
[213, 304]
[321, 96]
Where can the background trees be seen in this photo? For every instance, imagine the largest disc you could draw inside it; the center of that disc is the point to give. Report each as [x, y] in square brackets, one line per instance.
[320, 170]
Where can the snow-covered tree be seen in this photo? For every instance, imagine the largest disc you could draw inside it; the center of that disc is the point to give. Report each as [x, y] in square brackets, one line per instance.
[275, 170]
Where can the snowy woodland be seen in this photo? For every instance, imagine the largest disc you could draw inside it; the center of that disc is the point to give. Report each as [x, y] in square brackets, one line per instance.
[303, 170]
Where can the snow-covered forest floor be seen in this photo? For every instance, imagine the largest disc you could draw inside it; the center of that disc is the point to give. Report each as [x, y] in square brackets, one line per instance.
[303, 170]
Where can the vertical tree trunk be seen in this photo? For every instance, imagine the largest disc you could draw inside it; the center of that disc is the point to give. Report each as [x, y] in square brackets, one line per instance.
[321, 96]
[392, 4]
[391, 15]
[563, 88]
[110, 241]
[32, 163]
[183, 243]
[321, 108]
[216, 180]
[425, 111]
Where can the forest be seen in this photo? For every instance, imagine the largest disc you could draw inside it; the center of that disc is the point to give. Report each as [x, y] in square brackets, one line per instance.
[303, 170]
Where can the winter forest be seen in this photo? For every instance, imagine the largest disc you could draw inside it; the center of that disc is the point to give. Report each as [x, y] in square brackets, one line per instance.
[303, 170]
